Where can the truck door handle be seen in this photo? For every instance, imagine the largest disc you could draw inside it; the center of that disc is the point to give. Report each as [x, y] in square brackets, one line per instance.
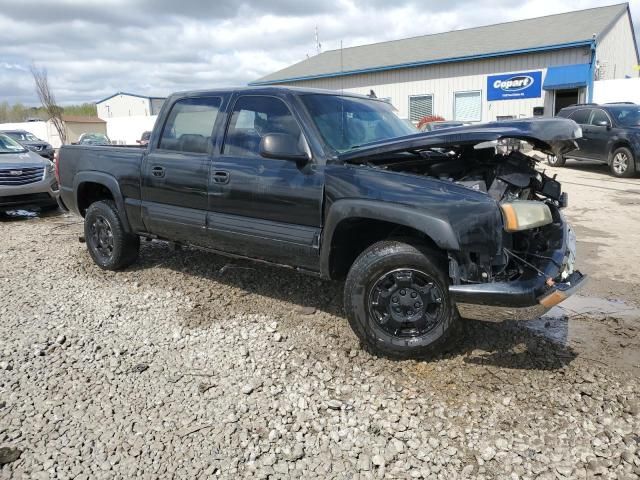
[157, 171]
[221, 177]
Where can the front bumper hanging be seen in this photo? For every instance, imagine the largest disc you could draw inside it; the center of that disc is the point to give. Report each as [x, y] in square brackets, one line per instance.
[524, 299]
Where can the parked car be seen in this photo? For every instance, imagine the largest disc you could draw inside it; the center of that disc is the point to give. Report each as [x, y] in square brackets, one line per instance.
[93, 139]
[27, 180]
[32, 142]
[610, 134]
[421, 227]
[144, 138]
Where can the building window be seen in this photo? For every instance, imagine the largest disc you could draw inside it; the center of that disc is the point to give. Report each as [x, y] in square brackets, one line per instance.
[467, 106]
[420, 106]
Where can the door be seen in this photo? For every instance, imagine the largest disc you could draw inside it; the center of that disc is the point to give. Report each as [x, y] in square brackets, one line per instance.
[582, 117]
[176, 171]
[266, 208]
[598, 133]
[565, 98]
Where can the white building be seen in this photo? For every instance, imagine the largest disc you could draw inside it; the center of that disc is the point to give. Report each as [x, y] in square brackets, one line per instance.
[124, 104]
[510, 70]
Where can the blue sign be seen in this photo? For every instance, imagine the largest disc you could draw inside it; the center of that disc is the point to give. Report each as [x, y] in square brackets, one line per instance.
[514, 86]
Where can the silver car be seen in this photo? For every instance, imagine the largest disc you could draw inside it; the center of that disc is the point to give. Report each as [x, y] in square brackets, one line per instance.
[26, 179]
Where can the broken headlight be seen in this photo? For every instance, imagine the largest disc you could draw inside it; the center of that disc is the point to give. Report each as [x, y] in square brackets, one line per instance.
[524, 215]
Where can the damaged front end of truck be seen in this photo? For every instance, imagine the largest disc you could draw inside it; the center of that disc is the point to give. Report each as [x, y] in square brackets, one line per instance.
[515, 260]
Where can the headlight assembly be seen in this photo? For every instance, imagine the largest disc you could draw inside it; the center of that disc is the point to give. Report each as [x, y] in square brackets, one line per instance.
[524, 215]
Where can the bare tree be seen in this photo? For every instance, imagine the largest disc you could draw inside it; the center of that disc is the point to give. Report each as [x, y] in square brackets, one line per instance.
[48, 100]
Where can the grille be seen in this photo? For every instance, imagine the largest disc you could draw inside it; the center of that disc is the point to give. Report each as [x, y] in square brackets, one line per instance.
[21, 176]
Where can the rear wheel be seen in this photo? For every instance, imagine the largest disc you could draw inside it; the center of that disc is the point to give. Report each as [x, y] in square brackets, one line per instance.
[556, 160]
[397, 300]
[622, 163]
[109, 245]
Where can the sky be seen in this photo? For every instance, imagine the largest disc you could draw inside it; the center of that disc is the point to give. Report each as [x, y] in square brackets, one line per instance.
[92, 49]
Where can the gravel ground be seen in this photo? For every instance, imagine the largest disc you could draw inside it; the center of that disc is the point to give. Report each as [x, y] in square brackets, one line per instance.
[188, 365]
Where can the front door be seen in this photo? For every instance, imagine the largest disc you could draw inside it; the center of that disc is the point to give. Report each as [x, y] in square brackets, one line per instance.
[175, 173]
[264, 207]
[582, 117]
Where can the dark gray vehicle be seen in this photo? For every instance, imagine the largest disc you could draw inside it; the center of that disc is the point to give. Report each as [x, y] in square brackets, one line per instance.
[421, 227]
[610, 134]
[26, 179]
[32, 142]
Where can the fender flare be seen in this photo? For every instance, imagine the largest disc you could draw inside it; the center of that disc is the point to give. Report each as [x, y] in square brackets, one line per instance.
[111, 184]
[437, 229]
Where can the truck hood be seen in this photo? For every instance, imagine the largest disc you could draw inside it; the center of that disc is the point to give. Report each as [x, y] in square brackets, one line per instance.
[554, 136]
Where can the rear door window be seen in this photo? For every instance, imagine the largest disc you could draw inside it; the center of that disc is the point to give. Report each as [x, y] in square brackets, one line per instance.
[581, 116]
[189, 126]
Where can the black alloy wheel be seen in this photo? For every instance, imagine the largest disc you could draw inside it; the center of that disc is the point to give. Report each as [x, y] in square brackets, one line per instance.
[406, 303]
[101, 237]
[110, 246]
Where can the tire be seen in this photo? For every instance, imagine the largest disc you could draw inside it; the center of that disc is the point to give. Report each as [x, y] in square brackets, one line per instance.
[622, 163]
[378, 294]
[110, 247]
[556, 160]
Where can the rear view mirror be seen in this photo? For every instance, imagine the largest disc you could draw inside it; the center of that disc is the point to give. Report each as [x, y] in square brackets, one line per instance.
[282, 146]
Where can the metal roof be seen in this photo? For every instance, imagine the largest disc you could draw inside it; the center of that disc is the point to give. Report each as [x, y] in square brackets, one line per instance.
[130, 95]
[564, 30]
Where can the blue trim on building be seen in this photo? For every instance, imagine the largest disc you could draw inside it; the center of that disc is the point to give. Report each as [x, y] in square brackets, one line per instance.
[130, 95]
[560, 46]
[562, 77]
[592, 72]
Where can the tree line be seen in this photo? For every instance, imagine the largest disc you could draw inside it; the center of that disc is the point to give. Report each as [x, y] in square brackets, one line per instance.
[22, 113]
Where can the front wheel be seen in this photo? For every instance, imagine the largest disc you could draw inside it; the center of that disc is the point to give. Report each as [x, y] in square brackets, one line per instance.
[622, 163]
[397, 300]
[556, 160]
[107, 241]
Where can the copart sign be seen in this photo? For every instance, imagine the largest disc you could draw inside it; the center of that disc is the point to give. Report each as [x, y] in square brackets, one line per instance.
[514, 86]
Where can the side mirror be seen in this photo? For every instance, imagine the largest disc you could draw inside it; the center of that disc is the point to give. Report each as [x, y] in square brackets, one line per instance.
[603, 123]
[282, 146]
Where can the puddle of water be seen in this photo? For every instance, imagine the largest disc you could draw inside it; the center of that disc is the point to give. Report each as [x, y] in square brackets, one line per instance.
[554, 325]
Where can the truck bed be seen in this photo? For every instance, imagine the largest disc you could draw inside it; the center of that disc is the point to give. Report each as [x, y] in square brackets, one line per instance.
[81, 163]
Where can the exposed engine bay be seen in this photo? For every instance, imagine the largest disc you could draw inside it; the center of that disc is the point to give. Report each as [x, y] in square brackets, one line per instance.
[505, 176]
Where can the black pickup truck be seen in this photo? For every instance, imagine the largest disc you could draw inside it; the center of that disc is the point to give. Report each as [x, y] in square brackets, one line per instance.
[422, 227]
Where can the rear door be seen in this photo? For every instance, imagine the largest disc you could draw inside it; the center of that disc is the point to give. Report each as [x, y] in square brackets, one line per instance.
[599, 131]
[175, 172]
[581, 117]
[264, 207]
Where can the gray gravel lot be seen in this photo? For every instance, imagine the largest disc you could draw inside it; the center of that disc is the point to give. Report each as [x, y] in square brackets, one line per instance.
[189, 365]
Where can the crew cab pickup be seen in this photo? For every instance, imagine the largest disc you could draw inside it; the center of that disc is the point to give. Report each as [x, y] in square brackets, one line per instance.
[422, 227]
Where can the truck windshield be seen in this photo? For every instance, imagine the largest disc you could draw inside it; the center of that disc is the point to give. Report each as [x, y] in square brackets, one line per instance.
[349, 122]
[9, 145]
